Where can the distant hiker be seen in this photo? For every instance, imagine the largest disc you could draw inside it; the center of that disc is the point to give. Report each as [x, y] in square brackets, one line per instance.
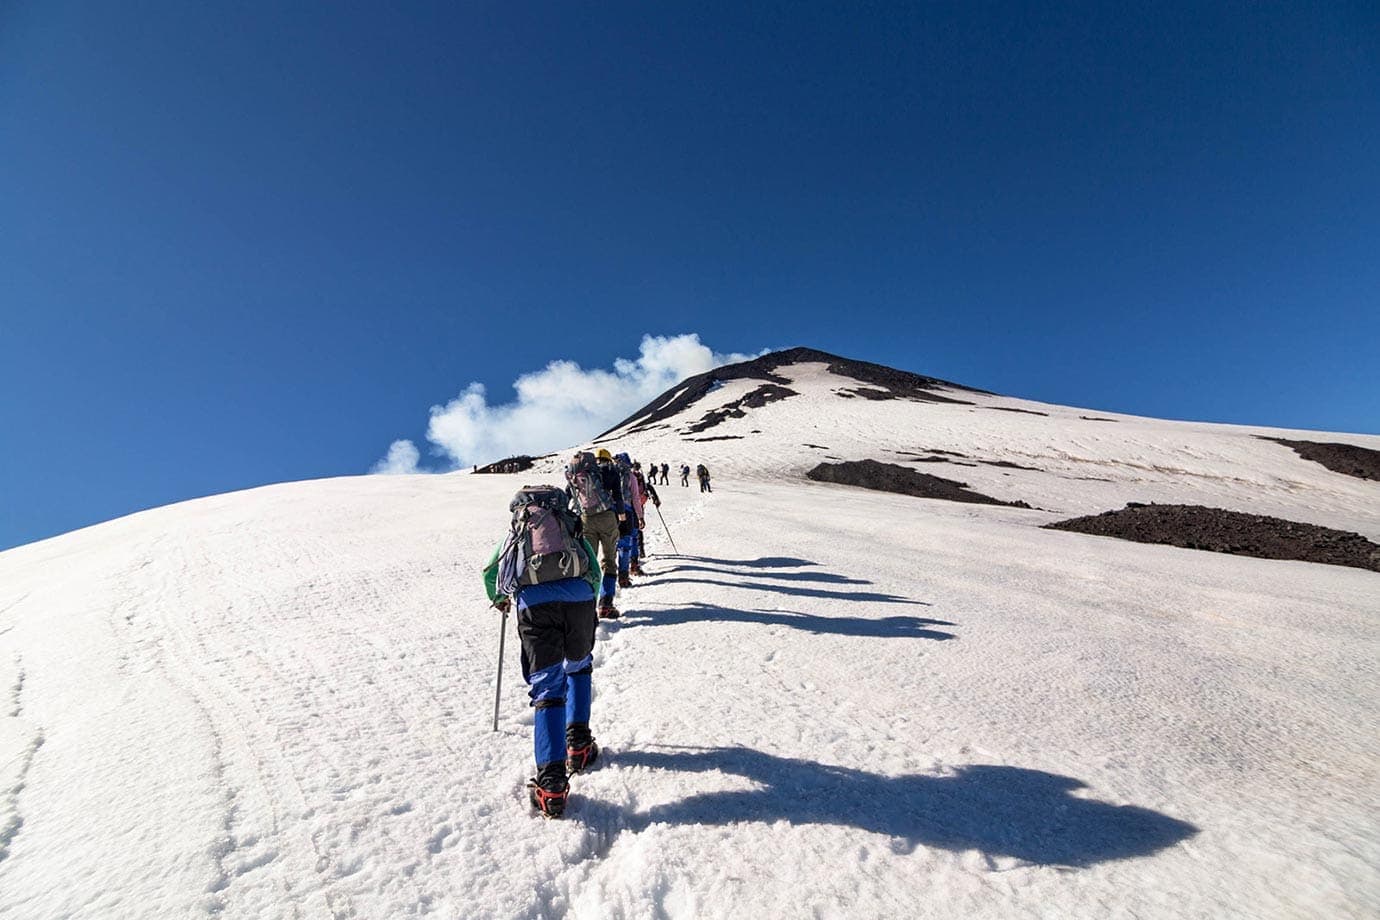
[596, 488]
[665, 471]
[548, 569]
[685, 474]
[702, 474]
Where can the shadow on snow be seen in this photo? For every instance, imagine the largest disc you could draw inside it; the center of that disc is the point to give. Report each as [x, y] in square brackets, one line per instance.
[824, 577]
[999, 811]
[895, 627]
[715, 567]
[869, 597]
[766, 562]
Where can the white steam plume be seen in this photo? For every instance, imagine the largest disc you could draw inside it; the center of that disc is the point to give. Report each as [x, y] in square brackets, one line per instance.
[560, 405]
[402, 458]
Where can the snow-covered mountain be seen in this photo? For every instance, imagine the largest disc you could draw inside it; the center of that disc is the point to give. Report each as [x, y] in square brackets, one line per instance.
[831, 702]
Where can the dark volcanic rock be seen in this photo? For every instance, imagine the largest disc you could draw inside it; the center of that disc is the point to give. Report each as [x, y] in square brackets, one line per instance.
[1011, 466]
[889, 477]
[692, 390]
[1096, 418]
[940, 460]
[767, 393]
[519, 464]
[880, 395]
[1348, 459]
[1220, 531]
[721, 437]
[867, 393]
[1023, 411]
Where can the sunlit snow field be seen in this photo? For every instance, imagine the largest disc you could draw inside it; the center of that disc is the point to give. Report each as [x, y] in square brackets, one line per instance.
[829, 703]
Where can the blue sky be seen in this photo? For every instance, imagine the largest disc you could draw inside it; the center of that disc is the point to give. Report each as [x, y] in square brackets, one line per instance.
[258, 242]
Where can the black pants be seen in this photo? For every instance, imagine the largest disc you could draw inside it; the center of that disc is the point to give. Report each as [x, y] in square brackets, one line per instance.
[554, 634]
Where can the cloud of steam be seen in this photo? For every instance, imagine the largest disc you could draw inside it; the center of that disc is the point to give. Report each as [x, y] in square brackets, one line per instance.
[560, 405]
[402, 458]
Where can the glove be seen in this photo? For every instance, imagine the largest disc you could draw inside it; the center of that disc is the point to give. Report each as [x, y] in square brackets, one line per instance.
[503, 604]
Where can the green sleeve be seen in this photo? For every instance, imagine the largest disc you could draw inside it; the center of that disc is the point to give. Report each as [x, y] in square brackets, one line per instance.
[491, 574]
[592, 576]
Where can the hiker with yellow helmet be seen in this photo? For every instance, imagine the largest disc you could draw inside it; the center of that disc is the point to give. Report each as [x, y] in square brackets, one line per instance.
[596, 488]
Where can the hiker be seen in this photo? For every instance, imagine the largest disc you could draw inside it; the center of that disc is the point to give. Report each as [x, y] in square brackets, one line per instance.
[702, 473]
[665, 471]
[546, 569]
[596, 489]
[648, 492]
[628, 528]
[685, 474]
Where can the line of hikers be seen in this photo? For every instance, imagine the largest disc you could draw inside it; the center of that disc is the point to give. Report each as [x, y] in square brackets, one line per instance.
[549, 567]
[664, 471]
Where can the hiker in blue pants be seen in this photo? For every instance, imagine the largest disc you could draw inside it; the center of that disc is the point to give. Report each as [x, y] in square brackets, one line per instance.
[549, 572]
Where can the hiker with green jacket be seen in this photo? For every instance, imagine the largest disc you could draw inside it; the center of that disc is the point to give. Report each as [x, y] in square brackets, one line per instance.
[548, 571]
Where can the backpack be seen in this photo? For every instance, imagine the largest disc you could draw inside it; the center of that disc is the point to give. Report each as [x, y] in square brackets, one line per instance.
[587, 485]
[544, 543]
[701, 472]
[627, 481]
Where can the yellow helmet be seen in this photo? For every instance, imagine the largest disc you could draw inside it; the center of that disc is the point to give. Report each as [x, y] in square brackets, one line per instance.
[603, 454]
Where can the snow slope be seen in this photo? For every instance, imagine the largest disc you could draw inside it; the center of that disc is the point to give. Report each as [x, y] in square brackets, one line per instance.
[831, 703]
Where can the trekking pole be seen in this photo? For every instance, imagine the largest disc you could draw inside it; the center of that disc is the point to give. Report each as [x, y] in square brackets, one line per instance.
[667, 529]
[498, 689]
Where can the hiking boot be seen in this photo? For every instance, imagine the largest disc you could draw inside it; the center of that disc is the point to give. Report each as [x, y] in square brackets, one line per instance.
[549, 789]
[608, 612]
[624, 581]
[550, 804]
[580, 749]
[581, 758]
[637, 570]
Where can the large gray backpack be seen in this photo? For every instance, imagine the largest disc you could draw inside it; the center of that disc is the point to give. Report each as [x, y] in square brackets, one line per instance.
[587, 484]
[544, 544]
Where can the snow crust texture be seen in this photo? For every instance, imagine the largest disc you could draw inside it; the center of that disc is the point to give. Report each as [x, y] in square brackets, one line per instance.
[832, 702]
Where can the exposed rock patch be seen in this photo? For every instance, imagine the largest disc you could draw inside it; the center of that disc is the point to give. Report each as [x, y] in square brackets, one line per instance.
[877, 395]
[1095, 418]
[721, 437]
[767, 393]
[1232, 532]
[940, 460]
[889, 477]
[1022, 411]
[1007, 464]
[943, 456]
[1347, 459]
[519, 464]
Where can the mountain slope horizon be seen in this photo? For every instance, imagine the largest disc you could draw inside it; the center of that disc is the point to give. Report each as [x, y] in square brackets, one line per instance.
[278, 702]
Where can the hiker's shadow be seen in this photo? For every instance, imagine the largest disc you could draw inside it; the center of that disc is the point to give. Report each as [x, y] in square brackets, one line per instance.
[823, 577]
[1000, 811]
[751, 580]
[896, 627]
[765, 562]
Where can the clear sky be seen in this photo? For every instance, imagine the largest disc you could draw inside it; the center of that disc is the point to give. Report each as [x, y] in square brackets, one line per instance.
[251, 242]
